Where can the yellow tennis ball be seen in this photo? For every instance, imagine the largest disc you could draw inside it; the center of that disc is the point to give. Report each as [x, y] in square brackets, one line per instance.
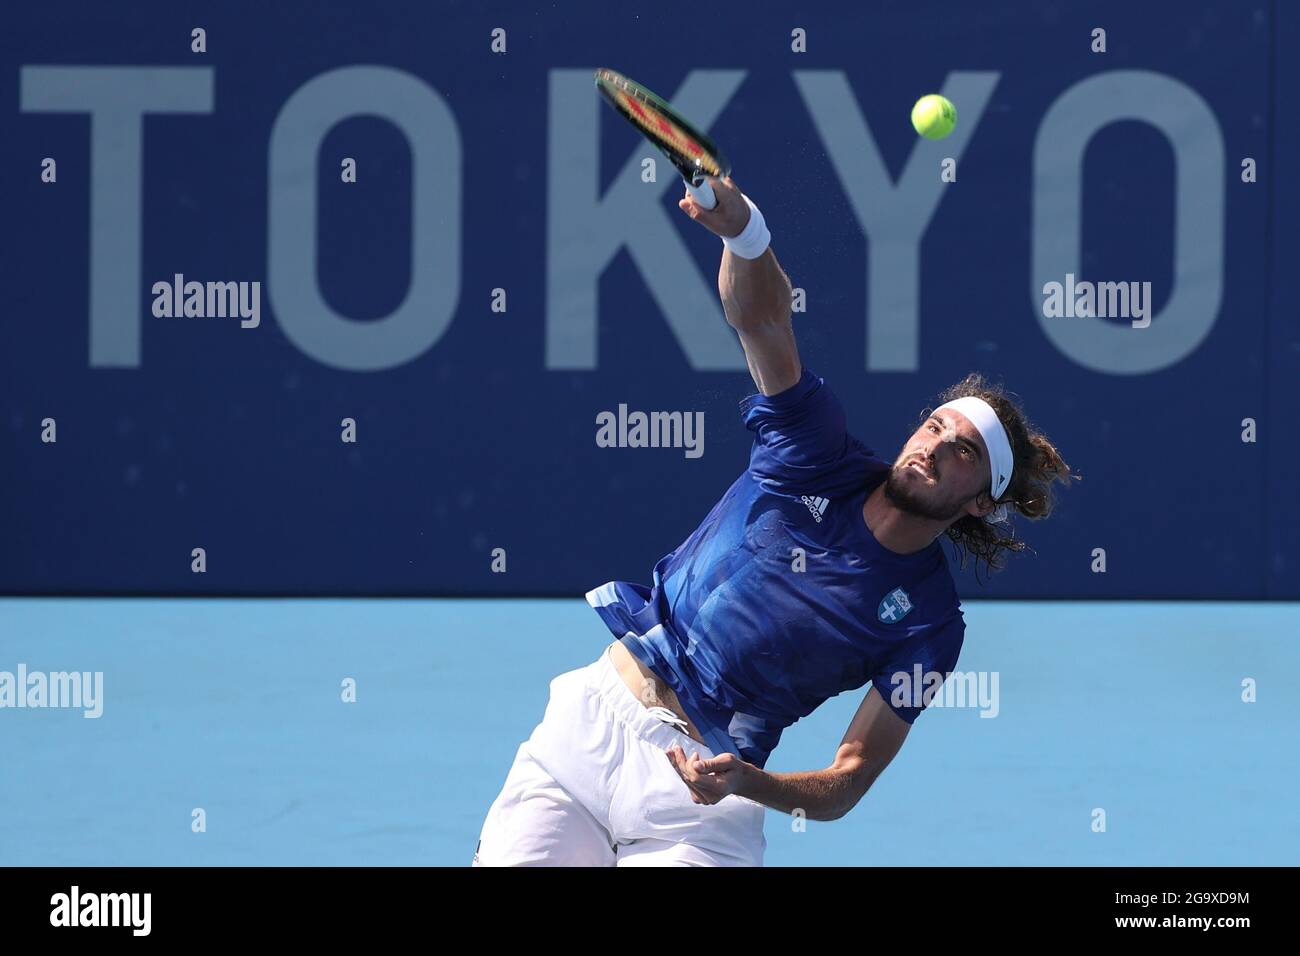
[934, 116]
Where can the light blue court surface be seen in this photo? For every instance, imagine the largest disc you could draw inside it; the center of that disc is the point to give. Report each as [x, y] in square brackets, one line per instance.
[234, 706]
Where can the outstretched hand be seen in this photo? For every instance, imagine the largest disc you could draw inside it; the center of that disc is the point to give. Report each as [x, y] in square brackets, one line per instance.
[710, 780]
[728, 218]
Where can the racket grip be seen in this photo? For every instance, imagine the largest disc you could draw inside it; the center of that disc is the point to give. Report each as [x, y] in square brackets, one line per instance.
[702, 194]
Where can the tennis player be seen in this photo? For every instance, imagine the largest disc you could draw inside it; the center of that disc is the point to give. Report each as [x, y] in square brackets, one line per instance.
[819, 571]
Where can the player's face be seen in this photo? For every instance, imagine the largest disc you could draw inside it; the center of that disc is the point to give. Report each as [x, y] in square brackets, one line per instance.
[942, 469]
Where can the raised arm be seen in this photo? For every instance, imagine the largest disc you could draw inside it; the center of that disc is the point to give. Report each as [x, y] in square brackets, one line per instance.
[755, 294]
[874, 737]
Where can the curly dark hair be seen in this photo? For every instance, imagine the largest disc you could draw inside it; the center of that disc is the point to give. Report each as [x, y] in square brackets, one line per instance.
[1037, 465]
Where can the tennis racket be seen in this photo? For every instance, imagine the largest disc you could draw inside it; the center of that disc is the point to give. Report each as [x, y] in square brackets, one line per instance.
[693, 153]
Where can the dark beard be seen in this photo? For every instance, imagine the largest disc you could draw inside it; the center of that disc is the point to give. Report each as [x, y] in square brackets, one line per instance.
[907, 501]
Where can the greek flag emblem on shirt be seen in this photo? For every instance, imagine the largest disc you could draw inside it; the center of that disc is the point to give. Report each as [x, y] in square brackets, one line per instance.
[894, 607]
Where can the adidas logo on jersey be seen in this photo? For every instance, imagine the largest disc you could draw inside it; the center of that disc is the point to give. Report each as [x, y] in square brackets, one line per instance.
[817, 506]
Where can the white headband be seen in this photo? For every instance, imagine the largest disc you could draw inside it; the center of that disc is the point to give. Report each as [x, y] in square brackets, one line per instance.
[989, 426]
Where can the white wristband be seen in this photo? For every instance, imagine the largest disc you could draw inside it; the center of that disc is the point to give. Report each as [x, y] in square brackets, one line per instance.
[754, 238]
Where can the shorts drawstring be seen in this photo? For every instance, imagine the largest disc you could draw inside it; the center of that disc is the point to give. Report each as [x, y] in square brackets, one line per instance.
[668, 717]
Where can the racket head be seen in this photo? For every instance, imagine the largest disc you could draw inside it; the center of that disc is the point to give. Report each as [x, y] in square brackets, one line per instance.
[693, 153]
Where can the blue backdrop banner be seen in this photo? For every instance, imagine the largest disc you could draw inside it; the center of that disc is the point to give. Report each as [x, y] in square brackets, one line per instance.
[344, 296]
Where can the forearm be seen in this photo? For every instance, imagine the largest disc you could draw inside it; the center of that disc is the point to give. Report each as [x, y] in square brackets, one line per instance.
[820, 794]
[755, 293]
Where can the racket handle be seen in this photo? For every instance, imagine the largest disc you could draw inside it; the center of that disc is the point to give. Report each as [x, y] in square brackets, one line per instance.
[702, 194]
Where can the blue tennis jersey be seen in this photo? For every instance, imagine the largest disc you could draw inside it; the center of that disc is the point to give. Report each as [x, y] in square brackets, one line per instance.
[782, 598]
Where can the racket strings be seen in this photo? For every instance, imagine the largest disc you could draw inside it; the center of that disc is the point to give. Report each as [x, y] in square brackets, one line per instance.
[661, 129]
[656, 121]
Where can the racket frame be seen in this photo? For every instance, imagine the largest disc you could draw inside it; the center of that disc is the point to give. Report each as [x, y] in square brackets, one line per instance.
[611, 82]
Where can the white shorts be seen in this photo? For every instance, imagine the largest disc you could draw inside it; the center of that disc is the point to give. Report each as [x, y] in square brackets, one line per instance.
[593, 786]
